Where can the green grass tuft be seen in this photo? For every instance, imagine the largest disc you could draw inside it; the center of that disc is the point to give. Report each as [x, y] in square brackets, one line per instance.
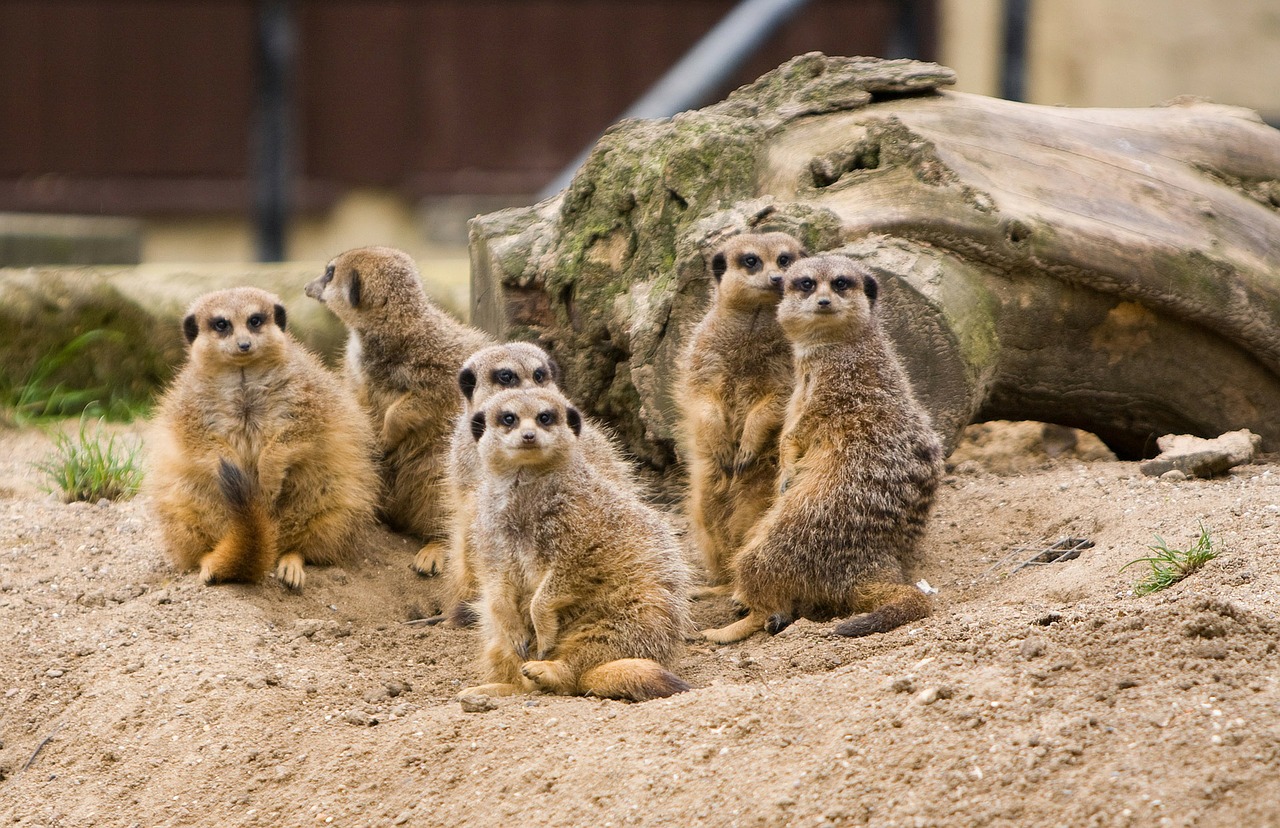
[1168, 566]
[92, 466]
[41, 397]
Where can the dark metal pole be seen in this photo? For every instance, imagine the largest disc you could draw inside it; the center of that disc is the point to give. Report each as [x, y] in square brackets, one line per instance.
[1013, 69]
[906, 36]
[273, 129]
[701, 71]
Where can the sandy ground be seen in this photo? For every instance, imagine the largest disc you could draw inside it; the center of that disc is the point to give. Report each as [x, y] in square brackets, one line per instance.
[1048, 696]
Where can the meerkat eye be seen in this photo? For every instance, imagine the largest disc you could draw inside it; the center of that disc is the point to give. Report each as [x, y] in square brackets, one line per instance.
[546, 418]
[751, 261]
[255, 321]
[328, 275]
[806, 285]
[785, 259]
[507, 418]
[539, 375]
[506, 376]
[221, 325]
[841, 284]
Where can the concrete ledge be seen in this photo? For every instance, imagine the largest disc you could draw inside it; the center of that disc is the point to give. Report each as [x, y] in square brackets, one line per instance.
[33, 239]
[139, 312]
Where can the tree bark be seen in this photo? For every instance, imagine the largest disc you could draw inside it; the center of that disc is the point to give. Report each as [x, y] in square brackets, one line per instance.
[1110, 269]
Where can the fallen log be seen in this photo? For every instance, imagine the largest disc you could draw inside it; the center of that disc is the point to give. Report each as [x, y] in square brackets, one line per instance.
[1116, 270]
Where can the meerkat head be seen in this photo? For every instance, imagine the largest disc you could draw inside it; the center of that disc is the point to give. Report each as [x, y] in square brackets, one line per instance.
[749, 268]
[502, 367]
[377, 280]
[236, 327]
[827, 298]
[525, 427]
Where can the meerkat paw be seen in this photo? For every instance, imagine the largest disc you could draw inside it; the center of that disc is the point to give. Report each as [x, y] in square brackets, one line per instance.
[207, 574]
[777, 622]
[493, 689]
[743, 460]
[551, 676]
[736, 631]
[430, 559]
[289, 570]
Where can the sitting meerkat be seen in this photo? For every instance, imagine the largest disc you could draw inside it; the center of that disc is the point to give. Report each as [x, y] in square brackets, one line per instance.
[487, 371]
[402, 360]
[582, 585]
[259, 457]
[859, 466]
[735, 384]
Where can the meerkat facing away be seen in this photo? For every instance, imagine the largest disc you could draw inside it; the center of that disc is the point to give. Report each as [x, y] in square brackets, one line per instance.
[487, 371]
[736, 381]
[402, 359]
[259, 457]
[859, 466]
[583, 586]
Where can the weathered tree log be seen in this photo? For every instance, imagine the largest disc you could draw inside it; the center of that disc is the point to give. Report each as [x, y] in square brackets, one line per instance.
[1116, 270]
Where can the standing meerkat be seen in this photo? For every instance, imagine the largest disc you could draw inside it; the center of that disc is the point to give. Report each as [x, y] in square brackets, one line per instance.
[402, 360]
[259, 457]
[860, 463]
[487, 371]
[583, 585]
[735, 384]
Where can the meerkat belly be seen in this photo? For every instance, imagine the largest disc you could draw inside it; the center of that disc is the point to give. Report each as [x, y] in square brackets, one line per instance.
[245, 418]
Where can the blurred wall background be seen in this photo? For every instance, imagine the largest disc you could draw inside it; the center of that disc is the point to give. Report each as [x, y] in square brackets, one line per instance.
[409, 116]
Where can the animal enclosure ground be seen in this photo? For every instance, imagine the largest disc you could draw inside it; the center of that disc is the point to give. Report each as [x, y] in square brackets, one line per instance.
[132, 695]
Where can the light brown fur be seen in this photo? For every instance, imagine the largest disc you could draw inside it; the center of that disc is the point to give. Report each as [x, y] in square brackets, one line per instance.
[487, 371]
[403, 356]
[860, 463]
[583, 586]
[259, 457]
[735, 384]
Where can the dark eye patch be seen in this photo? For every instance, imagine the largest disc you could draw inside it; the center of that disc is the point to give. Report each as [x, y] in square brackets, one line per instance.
[255, 321]
[751, 262]
[505, 377]
[547, 418]
[220, 324]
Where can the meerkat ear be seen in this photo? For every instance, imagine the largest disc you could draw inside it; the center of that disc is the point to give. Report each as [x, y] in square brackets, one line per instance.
[574, 419]
[803, 253]
[353, 289]
[477, 425]
[719, 264]
[870, 287]
[190, 328]
[554, 368]
[280, 317]
[467, 383]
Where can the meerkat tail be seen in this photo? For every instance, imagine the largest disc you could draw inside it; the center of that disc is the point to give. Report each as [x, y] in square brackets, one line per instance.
[892, 606]
[248, 549]
[636, 679]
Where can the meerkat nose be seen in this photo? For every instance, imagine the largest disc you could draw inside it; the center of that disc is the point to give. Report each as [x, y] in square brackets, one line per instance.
[528, 436]
[244, 345]
[823, 302]
[775, 279]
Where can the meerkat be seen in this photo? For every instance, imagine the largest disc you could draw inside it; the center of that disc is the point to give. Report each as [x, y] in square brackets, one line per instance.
[736, 380]
[402, 359]
[489, 370]
[259, 457]
[583, 586]
[860, 463]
